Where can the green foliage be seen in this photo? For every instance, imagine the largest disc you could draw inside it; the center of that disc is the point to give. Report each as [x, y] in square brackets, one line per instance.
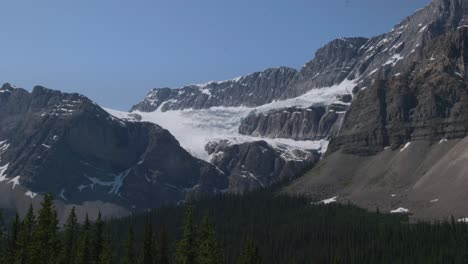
[208, 251]
[83, 254]
[186, 248]
[130, 254]
[161, 248]
[12, 243]
[250, 254]
[280, 229]
[23, 252]
[106, 256]
[148, 244]
[97, 241]
[44, 246]
[70, 239]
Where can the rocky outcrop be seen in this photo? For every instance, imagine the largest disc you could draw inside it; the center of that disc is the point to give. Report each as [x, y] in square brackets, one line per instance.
[403, 140]
[332, 64]
[427, 102]
[254, 165]
[312, 123]
[251, 90]
[67, 145]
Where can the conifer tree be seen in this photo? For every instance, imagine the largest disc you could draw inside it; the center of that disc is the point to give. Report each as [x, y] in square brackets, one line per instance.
[249, 254]
[10, 253]
[70, 239]
[106, 256]
[208, 248]
[148, 243]
[45, 238]
[97, 239]
[130, 255]
[186, 248]
[25, 237]
[161, 251]
[2, 238]
[83, 254]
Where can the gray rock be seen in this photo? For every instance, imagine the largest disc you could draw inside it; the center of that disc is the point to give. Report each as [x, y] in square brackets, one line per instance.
[67, 145]
[313, 123]
[252, 90]
[254, 165]
[427, 102]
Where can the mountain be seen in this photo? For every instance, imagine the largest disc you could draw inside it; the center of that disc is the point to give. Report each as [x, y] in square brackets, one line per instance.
[380, 122]
[252, 90]
[402, 142]
[67, 145]
[392, 108]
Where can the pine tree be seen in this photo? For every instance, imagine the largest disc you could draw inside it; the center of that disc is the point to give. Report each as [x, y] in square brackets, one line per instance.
[97, 239]
[83, 254]
[249, 254]
[208, 248]
[186, 248]
[70, 238]
[45, 236]
[130, 255]
[12, 241]
[24, 238]
[3, 249]
[148, 243]
[106, 254]
[161, 251]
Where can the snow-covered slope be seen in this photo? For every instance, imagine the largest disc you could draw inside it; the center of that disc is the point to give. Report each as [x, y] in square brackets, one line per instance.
[194, 128]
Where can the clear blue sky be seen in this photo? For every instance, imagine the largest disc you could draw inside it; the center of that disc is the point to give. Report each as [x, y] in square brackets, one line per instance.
[115, 51]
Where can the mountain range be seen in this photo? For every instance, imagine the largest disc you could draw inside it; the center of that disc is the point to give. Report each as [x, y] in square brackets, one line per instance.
[381, 122]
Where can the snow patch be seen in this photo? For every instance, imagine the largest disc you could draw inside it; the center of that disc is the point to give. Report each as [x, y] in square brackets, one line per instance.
[422, 29]
[3, 169]
[328, 201]
[434, 201]
[30, 194]
[115, 185]
[15, 182]
[400, 210]
[62, 195]
[405, 146]
[393, 60]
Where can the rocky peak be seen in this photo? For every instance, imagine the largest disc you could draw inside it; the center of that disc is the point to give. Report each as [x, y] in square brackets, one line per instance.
[331, 65]
[7, 87]
[251, 90]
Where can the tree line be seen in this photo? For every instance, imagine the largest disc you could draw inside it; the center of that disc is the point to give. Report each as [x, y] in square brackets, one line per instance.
[38, 239]
[261, 227]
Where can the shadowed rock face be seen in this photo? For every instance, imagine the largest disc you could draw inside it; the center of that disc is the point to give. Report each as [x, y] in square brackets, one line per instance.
[254, 165]
[67, 145]
[403, 140]
[428, 101]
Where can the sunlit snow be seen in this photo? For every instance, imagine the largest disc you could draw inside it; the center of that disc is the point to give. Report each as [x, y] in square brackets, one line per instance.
[400, 210]
[328, 201]
[405, 146]
[195, 128]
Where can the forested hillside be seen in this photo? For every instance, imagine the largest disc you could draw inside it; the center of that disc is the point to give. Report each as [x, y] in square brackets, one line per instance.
[255, 228]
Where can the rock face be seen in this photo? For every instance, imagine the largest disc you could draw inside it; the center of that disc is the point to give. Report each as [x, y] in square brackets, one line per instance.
[312, 123]
[254, 165]
[402, 142]
[428, 101]
[251, 90]
[332, 64]
[67, 145]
